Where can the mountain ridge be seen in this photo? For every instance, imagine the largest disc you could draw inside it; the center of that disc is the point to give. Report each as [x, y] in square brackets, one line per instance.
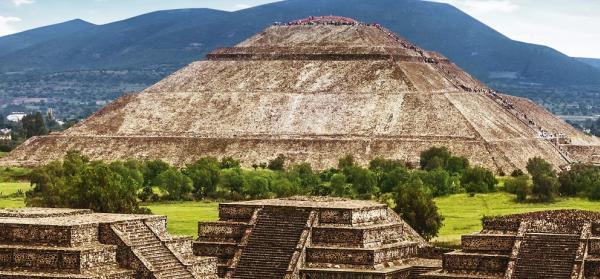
[100, 62]
[178, 37]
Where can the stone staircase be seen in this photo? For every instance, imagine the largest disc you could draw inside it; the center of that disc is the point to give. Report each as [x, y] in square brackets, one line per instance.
[545, 255]
[151, 250]
[272, 243]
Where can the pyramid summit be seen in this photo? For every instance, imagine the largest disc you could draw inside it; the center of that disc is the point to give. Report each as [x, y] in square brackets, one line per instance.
[315, 90]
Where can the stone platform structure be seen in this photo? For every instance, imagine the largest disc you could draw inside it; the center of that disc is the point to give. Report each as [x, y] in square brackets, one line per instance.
[38, 243]
[562, 244]
[316, 238]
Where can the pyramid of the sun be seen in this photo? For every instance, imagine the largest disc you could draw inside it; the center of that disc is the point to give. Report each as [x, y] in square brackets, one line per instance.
[316, 90]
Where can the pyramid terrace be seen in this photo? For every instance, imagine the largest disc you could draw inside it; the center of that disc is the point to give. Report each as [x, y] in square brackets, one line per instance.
[300, 237]
[315, 90]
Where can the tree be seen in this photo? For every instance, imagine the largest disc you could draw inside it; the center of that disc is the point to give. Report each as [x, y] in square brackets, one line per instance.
[257, 187]
[363, 181]
[338, 185]
[457, 164]
[390, 180]
[545, 187]
[545, 182]
[380, 165]
[78, 183]
[414, 203]
[582, 179]
[34, 125]
[281, 186]
[435, 158]
[309, 180]
[277, 164]
[177, 184]
[205, 175]
[437, 180]
[151, 170]
[518, 185]
[517, 173]
[229, 163]
[233, 179]
[479, 180]
[346, 162]
[538, 166]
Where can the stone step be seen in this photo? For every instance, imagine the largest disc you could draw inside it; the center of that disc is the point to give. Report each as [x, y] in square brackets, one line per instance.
[271, 244]
[108, 272]
[546, 256]
[149, 247]
[451, 275]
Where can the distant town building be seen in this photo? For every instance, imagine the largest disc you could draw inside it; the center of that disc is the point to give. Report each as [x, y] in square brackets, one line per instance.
[16, 116]
[5, 134]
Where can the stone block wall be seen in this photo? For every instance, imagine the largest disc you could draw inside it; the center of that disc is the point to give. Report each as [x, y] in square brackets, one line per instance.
[233, 212]
[56, 259]
[51, 235]
[484, 263]
[221, 231]
[485, 243]
[358, 257]
[343, 216]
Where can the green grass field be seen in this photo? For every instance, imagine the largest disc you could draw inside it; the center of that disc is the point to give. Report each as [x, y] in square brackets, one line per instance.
[183, 217]
[9, 188]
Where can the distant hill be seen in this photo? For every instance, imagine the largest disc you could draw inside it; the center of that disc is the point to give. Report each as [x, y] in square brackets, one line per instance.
[153, 45]
[178, 37]
[15, 42]
[591, 61]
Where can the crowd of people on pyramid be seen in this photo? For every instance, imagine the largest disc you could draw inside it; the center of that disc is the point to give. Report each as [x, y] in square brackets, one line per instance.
[321, 20]
[554, 138]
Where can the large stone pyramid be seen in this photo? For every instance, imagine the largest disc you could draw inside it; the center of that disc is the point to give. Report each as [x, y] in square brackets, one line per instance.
[315, 90]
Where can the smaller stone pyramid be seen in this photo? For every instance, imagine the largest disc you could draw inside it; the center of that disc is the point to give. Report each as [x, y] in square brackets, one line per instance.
[48, 243]
[560, 244]
[318, 238]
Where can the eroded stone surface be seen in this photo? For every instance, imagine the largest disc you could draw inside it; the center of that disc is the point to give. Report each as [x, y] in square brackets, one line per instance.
[67, 243]
[333, 238]
[314, 93]
[547, 244]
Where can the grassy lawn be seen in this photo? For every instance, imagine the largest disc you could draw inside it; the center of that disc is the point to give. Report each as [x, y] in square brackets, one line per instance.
[183, 217]
[463, 213]
[9, 188]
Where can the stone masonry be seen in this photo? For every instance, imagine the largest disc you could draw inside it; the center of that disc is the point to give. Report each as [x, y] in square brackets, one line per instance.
[563, 244]
[315, 90]
[66, 243]
[324, 238]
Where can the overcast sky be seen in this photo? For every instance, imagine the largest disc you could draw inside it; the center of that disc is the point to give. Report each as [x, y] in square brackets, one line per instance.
[571, 26]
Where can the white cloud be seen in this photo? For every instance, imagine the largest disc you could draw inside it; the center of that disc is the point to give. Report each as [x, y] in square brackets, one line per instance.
[5, 24]
[242, 6]
[19, 3]
[483, 6]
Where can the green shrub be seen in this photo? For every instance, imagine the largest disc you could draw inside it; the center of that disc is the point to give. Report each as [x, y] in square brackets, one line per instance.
[205, 175]
[519, 186]
[78, 183]
[277, 164]
[478, 180]
[545, 182]
[415, 205]
[435, 158]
